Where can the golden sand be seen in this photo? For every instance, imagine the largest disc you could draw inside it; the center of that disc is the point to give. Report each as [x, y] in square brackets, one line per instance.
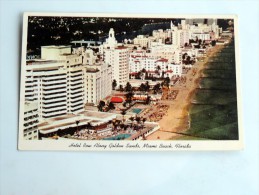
[176, 119]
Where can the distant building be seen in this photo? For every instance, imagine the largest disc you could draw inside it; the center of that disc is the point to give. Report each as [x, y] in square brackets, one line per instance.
[140, 61]
[118, 59]
[98, 82]
[142, 41]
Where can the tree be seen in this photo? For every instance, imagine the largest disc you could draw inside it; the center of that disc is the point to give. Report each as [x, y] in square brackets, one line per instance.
[138, 75]
[143, 122]
[115, 124]
[121, 88]
[166, 81]
[123, 113]
[122, 126]
[158, 68]
[101, 105]
[188, 60]
[111, 106]
[142, 87]
[184, 55]
[128, 87]
[114, 84]
[148, 99]
[131, 118]
[88, 127]
[197, 39]
[138, 119]
[77, 123]
[200, 41]
[129, 97]
[156, 88]
[163, 74]
[213, 43]
[147, 86]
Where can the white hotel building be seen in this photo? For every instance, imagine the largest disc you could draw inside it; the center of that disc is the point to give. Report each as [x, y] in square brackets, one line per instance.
[98, 82]
[57, 85]
[62, 82]
[118, 59]
[140, 60]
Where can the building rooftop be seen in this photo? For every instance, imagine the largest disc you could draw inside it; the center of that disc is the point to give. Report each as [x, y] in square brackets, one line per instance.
[69, 120]
[56, 46]
[42, 61]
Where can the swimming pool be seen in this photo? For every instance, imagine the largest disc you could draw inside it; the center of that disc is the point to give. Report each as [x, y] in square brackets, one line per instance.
[118, 137]
[136, 110]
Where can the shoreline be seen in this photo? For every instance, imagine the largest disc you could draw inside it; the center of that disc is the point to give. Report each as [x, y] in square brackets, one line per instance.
[176, 120]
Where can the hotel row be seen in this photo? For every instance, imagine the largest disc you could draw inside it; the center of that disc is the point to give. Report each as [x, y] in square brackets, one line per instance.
[64, 80]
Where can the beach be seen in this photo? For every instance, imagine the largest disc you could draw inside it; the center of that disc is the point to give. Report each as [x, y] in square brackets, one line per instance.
[176, 120]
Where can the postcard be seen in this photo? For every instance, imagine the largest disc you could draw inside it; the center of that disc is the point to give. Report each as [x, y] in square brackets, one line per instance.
[130, 82]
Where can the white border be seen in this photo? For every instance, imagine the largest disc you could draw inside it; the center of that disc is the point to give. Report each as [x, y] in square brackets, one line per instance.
[195, 145]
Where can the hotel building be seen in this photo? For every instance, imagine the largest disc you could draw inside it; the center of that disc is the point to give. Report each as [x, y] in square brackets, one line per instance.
[56, 82]
[118, 59]
[31, 120]
[140, 60]
[98, 82]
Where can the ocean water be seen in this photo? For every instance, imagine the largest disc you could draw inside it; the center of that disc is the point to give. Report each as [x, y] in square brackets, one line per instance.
[213, 112]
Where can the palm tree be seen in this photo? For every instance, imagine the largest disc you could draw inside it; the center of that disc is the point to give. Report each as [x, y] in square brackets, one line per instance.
[111, 106]
[156, 88]
[129, 97]
[123, 114]
[148, 99]
[167, 81]
[121, 88]
[88, 126]
[122, 126]
[77, 122]
[142, 87]
[158, 68]
[101, 105]
[131, 119]
[114, 84]
[138, 119]
[143, 122]
[147, 86]
[128, 87]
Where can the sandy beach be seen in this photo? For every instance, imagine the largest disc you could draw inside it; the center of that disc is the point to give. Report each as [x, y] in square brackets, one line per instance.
[176, 119]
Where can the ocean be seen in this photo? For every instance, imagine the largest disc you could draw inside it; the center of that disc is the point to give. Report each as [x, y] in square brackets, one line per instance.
[213, 112]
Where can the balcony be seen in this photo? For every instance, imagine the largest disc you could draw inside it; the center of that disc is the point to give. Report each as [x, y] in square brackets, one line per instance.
[76, 83]
[54, 108]
[54, 95]
[57, 91]
[54, 114]
[55, 100]
[54, 105]
[57, 111]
